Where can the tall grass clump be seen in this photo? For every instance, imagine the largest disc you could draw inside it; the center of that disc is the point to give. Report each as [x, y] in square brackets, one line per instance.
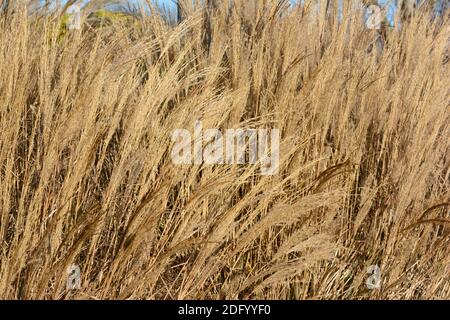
[86, 176]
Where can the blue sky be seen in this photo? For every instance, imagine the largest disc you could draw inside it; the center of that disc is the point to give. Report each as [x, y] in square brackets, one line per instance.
[170, 5]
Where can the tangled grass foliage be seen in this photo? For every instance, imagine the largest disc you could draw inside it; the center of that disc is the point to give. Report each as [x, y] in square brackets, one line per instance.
[86, 176]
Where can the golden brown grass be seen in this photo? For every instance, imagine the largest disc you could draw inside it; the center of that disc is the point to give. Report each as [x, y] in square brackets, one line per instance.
[87, 178]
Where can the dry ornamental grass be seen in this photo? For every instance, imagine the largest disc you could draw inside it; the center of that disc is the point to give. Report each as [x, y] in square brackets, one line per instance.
[87, 179]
